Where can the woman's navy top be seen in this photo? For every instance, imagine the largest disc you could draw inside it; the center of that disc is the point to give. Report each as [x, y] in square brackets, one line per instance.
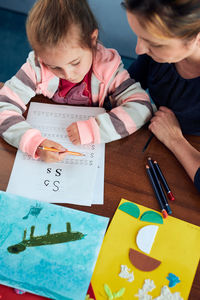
[167, 88]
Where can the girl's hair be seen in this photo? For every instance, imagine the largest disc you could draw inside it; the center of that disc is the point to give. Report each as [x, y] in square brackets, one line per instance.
[167, 18]
[50, 21]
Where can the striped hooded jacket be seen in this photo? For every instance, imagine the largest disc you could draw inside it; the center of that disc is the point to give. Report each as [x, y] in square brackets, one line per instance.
[131, 107]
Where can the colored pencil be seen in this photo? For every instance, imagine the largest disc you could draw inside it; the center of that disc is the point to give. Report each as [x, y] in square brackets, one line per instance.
[158, 197]
[160, 189]
[168, 209]
[56, 150]
[148, 142]
[164, 182]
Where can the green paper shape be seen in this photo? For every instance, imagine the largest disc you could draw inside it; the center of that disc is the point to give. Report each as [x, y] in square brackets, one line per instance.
[119, 293]
[152, 217]
[131, 209]
[88, 298]
[108, 291]
[111, 295]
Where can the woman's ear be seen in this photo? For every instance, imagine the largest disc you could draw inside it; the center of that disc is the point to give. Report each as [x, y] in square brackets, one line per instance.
[94, 37]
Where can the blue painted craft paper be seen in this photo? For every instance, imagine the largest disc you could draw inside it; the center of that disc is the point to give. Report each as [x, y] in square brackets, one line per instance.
[60, 271]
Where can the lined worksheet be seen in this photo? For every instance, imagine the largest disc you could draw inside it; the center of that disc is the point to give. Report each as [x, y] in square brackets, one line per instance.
[77, 179]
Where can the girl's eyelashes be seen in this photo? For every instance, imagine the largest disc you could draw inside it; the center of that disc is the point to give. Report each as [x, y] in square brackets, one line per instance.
[53, 68]
[59, 68]
[56, 68]
[76, 63]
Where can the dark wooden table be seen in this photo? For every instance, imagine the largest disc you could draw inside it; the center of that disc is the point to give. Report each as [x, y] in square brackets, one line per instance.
[125, 177]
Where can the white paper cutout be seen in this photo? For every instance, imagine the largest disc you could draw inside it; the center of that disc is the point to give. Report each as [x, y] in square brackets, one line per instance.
[145, 237]
[166, 294]
[125, 273]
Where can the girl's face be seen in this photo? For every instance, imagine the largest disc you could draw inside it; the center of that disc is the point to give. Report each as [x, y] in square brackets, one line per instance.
[69, 60]
[166, 50]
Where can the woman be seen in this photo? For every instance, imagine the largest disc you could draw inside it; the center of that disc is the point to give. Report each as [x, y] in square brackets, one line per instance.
[168, 65]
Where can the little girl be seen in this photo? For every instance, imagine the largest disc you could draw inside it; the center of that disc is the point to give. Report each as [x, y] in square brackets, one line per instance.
[69, 66]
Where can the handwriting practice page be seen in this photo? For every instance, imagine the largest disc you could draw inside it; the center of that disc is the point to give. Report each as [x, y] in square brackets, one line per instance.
[76, 179]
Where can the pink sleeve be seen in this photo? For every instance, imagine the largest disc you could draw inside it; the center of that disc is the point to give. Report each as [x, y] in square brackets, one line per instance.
[88, 131]
[30, 142]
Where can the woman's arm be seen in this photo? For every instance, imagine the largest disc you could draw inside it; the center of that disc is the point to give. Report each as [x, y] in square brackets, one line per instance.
[166, 128]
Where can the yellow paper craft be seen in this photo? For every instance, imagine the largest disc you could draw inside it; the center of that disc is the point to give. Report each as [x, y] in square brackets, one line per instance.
[176, 246]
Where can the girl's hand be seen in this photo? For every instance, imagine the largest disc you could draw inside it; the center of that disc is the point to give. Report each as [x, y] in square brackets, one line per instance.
[73, 134]
[49, 156]
[165, 126]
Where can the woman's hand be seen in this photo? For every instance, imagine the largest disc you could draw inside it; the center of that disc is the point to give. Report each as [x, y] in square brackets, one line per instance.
[165, 126]
[73, 134]
[50, 156]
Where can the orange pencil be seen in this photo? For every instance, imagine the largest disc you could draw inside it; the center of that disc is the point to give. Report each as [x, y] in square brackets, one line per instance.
[56, 150]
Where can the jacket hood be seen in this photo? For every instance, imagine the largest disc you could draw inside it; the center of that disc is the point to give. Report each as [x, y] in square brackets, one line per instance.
[105, 63]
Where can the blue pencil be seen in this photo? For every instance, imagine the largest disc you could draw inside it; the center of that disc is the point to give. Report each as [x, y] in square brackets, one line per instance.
[163, 210]
[148, 142]
[160, 189]
[164, 182]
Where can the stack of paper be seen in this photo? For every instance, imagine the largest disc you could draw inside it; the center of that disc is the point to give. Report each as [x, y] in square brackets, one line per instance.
[77, 179]
[48, 249]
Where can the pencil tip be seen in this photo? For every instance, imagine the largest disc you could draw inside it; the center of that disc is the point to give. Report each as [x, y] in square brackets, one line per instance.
[170, 196]
[165, 214]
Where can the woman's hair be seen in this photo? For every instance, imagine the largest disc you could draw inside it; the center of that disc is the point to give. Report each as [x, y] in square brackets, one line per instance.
[167, 18]
[50, 21]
